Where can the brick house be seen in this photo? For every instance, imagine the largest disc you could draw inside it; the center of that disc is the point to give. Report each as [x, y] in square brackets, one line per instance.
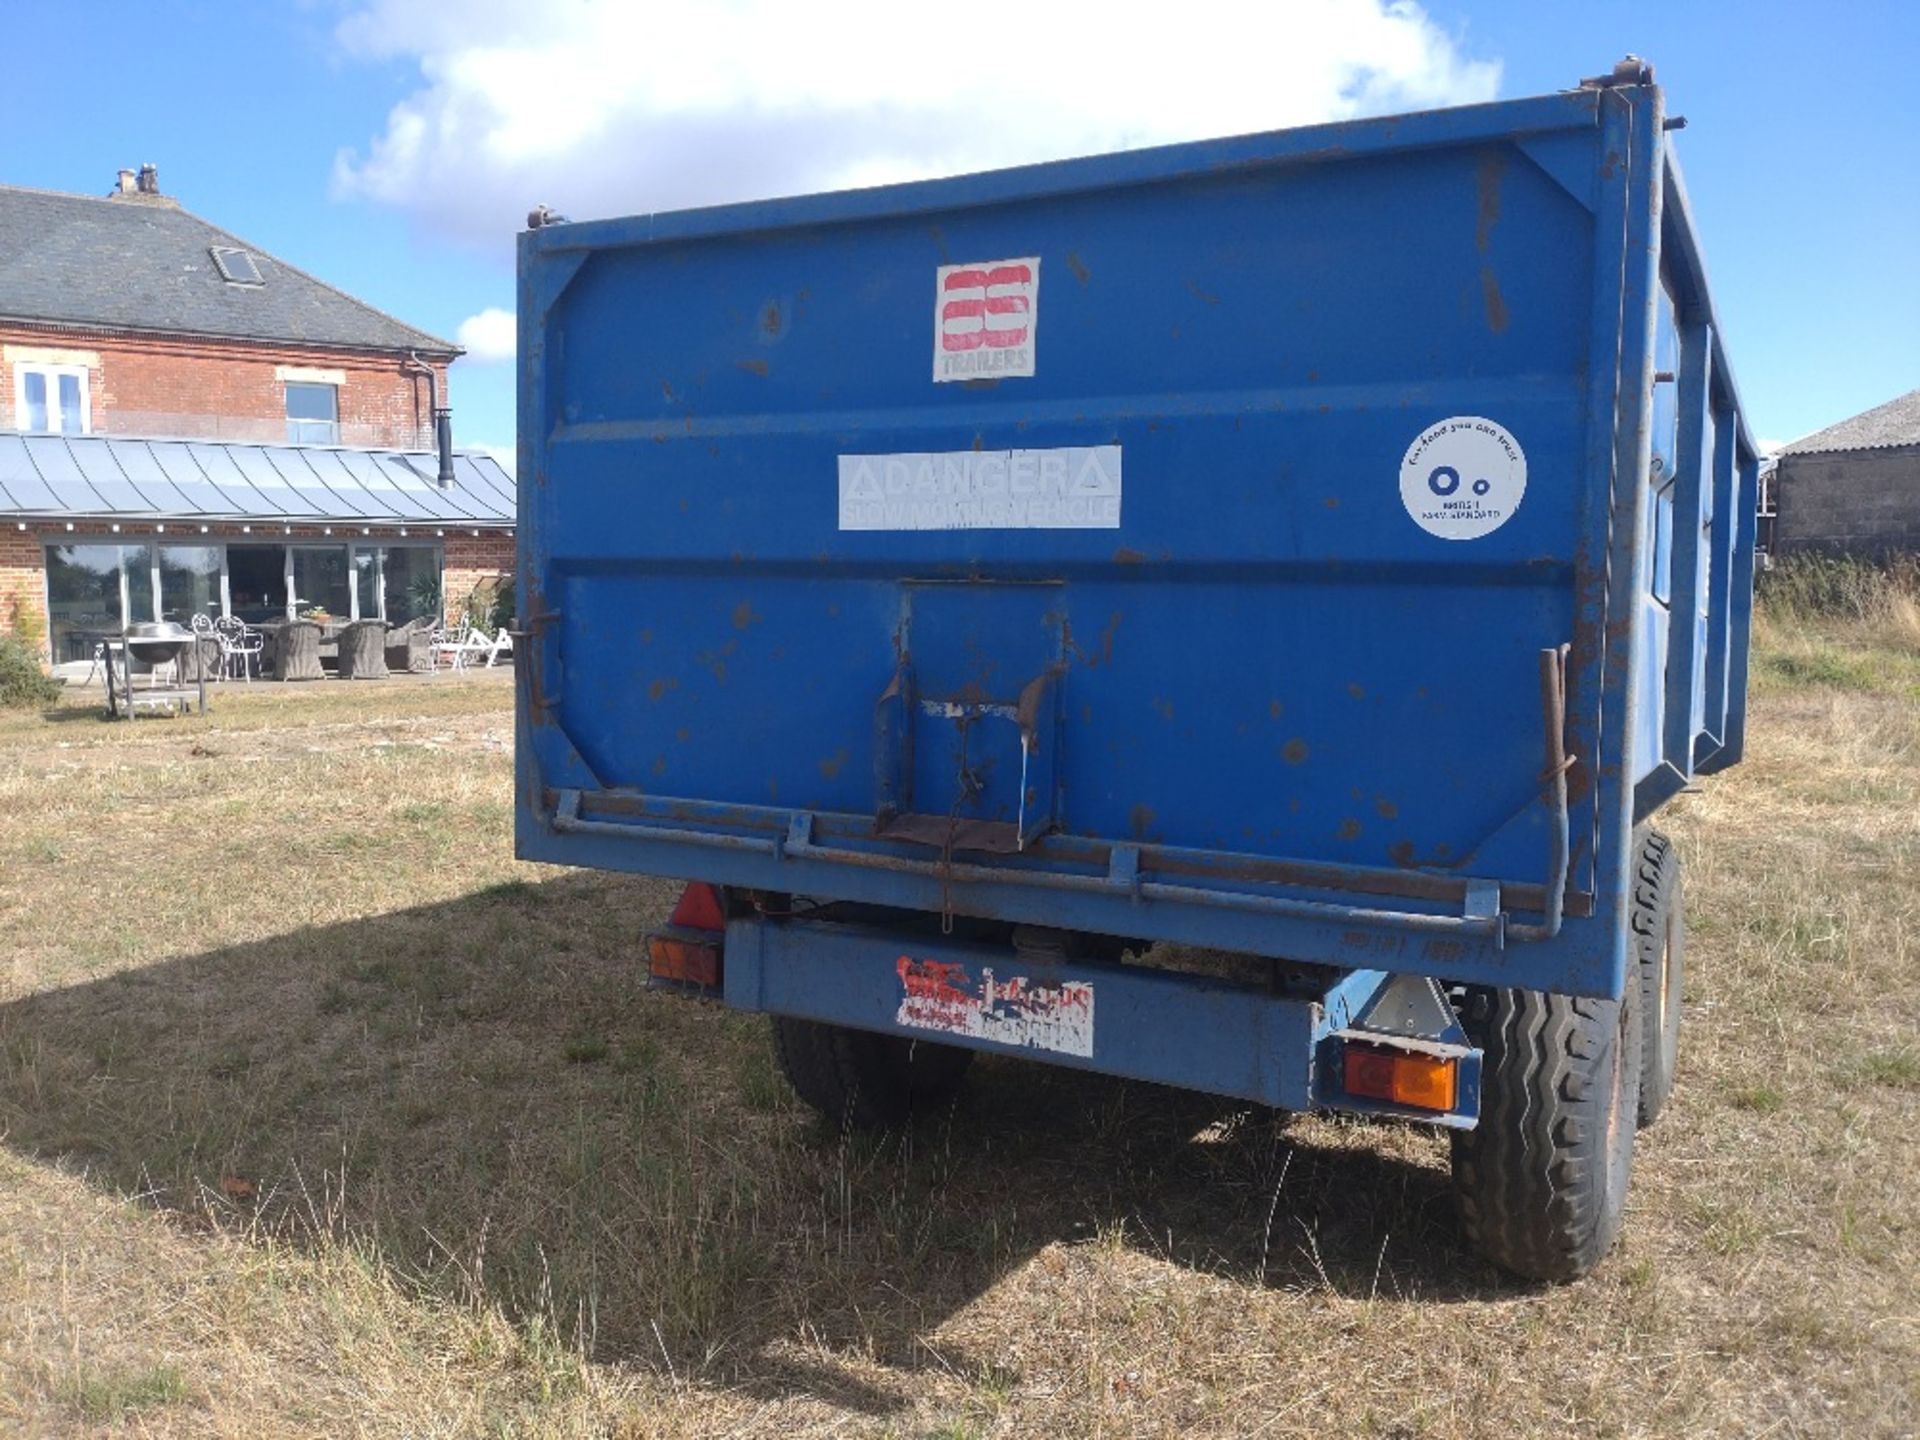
[1853, 488]
[188, 424]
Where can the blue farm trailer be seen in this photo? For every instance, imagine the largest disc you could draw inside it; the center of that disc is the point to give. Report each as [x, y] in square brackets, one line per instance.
[1225, 615]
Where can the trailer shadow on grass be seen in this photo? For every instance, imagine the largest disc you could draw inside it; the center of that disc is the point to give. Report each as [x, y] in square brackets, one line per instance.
[481, 1094]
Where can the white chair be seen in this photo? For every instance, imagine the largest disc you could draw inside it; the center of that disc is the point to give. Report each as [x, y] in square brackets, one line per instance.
[453, 644]
[240, 647]
[501, 644]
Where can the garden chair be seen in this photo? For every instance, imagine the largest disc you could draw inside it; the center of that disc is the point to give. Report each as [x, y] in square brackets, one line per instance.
[240, 646]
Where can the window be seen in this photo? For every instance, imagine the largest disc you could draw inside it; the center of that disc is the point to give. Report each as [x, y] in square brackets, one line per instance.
[95, 590]
[51, 399]
[413, 582]
[236, 267]
[313, 413]
[190, 582]
[320, 581]
[257, 582]
[85, 601]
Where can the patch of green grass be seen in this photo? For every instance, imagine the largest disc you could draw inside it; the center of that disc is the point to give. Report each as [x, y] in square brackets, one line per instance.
[1816, 669]
[761, 1086]
[1895, 1069]
[585, 1050]
[1761, 1099]
[108, 1393]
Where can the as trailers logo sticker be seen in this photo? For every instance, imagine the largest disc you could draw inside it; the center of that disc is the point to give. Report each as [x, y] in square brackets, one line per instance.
[1463, 478]
[984, 318]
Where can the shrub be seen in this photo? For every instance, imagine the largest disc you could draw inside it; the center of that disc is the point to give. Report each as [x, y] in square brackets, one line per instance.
[1827, 590]
[23, 684]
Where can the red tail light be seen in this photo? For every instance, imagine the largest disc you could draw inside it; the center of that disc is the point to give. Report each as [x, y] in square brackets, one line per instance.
[688, 953]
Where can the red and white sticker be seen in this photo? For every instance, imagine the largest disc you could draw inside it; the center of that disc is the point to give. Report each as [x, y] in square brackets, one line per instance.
[947, 998]
[985, 314]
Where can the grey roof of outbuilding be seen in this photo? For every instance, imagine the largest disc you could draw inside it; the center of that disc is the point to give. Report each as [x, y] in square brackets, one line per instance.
[120, 264]
[1895, 423]
[120, 478]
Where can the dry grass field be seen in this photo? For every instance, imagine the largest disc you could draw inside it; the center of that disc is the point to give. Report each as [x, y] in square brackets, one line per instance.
[319, 1115]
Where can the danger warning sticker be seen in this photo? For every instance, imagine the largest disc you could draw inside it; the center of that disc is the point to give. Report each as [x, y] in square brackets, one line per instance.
[944, 997]
[1072, 487]
[985, 315]
[1463, 478]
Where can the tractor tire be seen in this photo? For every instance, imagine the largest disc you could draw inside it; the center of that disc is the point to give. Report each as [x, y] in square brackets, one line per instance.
[863, 1081]
[1658, 914]
[1541, 1182]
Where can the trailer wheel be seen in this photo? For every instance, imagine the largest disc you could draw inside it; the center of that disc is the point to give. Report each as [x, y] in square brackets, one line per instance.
[1541, 1182]
[863, 1081]
[1659, 916]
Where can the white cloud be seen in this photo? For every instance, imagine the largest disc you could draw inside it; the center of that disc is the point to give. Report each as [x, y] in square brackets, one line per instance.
[604, 107]
[1770, 448]
[488, 335]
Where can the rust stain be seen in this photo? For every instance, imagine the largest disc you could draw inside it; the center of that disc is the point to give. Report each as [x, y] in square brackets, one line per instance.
[1493, 165]
[832, 765]
[770, 319]
[646, 635]
[1349, 829]
[716, 660]
[1126, 556]
[1496, 303]
[1275, 709]
[1078, 267]
[979, 441]
[1333, 502]
[666, 390]
[657, 691]
[683, 734]
[1106, 638]
[1385, 808]
[1163, 707]
[1294, 752]
[1401, 853]
[1199, 294]
[744, 615]
[1356, 690]
[659, 764]
[1142, 820]
[756, 367]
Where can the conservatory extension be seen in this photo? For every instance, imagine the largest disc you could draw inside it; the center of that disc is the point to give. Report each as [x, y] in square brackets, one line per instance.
[101, 532]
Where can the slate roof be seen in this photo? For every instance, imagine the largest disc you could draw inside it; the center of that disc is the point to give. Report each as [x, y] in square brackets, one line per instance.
[1895, 423]
[122, 264]
[115, 477]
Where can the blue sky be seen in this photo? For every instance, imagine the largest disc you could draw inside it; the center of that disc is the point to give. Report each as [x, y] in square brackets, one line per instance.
[390, 146]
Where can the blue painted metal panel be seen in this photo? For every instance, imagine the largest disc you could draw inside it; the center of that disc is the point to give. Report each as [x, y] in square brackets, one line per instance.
[1272, 710]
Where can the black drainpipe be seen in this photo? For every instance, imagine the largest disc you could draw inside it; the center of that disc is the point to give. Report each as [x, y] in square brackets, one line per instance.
[442, 419]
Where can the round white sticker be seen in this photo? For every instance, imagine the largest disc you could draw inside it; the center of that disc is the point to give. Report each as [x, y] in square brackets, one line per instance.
[1463, 478]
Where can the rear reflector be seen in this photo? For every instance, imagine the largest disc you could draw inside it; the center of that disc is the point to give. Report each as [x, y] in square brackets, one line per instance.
[680, 960]
[1421, 1082]
[699, 908]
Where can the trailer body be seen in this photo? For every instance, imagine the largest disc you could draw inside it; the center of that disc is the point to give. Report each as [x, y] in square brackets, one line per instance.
[1325, 546]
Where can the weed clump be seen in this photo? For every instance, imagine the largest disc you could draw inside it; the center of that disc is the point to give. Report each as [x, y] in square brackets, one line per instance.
[23, 684]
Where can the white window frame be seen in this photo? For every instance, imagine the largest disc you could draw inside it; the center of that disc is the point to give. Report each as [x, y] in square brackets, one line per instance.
[286, 386]
[52, 374]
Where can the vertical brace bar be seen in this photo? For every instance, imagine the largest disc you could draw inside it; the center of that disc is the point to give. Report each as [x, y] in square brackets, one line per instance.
[1740, 623]
[1683, 615]
[1726, 539]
